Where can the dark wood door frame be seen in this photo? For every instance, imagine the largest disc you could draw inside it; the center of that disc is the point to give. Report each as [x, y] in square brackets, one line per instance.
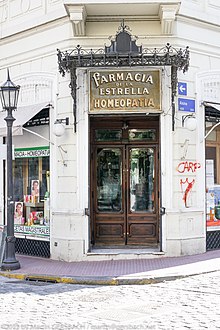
[127, 232]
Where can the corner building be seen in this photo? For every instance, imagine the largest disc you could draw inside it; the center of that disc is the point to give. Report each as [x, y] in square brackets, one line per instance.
[117, 121]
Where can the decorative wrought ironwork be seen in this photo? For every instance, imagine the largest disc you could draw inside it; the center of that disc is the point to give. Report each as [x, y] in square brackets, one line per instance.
[213, 240]
[32, 247]
[123, 52]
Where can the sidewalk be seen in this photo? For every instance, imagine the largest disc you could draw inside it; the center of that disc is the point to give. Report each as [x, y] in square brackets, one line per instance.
[115, 272]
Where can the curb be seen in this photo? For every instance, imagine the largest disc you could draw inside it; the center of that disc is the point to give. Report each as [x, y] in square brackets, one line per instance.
[95, 280]
[98, 280]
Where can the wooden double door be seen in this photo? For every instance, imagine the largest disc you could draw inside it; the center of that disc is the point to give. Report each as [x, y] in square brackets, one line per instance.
[124, 183]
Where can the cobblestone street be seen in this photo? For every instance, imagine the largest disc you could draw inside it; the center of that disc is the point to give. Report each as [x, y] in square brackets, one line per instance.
[189, 303]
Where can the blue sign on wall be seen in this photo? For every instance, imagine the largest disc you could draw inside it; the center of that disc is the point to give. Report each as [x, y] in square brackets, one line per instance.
[187, 105]
[182, 88]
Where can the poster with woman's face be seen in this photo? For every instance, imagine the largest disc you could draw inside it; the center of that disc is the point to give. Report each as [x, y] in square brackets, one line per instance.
[35, 189]
[18, 214]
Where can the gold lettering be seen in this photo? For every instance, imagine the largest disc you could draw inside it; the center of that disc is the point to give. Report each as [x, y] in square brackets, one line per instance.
[137, 77]
[122, 103]
[145, 91]
[151, 103]
[128, 103]
[116, 103]
[103, 103]
[111, 77]
[141, 102]
[129, 76]
[108, 91]
[134, 103]
[96, 103]
[110, 103]
[120, 91]
[120, 76]
[103, 79]
[96, 78]
[101, 91]
[149, 79]
[113, 90]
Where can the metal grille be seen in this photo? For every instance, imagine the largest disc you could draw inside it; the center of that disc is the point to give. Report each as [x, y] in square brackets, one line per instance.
[32, 247]
[213, 240]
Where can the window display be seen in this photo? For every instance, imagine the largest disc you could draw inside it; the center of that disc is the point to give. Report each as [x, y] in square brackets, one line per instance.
[31, 175]
[212, 196]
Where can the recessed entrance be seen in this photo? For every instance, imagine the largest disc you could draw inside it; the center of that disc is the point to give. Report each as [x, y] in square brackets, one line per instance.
[124, 185]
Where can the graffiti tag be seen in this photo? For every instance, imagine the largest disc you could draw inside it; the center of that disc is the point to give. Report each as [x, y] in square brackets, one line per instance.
[188, 167]
[188, 189]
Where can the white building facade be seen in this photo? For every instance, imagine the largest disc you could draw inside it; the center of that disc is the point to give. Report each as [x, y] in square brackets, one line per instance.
[134, 170]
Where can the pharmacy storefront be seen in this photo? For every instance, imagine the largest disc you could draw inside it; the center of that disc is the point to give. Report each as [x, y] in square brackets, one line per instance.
[122, 109]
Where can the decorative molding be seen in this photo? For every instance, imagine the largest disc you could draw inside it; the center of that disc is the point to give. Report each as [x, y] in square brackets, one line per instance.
[3, 12]
[210, 86]
[167, 15]
[35, 88]
[77, 16]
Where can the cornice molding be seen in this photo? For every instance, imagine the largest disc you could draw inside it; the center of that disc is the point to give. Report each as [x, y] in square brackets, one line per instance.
[77, 15]
[167, 14]
[198, 22]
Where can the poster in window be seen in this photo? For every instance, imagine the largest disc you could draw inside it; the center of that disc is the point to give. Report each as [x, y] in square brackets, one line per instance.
[35, 190]
[18, 213]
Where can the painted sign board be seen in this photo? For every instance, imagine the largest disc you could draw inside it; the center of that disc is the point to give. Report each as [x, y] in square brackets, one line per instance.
[32, 152]
[36, 231]
[125, 90]
[187, 105]
[182, 88]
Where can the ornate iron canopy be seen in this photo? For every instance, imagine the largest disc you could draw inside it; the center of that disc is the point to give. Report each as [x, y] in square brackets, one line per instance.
[123, 52]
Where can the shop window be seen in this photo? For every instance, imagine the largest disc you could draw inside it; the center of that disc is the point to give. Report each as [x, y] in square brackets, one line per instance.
[212, 155]
[31, 174]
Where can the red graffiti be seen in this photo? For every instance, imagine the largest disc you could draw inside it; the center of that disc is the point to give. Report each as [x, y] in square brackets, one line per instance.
[188, 167]
[187, 190]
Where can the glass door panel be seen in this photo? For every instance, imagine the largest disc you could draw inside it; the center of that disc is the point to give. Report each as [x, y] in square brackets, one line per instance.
[109, 179]
[141, 179]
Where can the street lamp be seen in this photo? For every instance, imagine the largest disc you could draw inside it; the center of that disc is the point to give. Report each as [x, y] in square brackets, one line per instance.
[9, 98]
